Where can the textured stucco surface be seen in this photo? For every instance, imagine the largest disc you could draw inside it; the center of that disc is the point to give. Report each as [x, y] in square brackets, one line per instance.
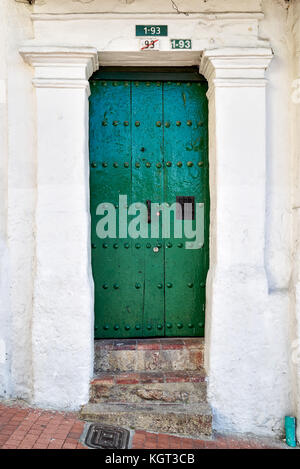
[294, 23]
[17, 202]
[254, 286]
[5, 317]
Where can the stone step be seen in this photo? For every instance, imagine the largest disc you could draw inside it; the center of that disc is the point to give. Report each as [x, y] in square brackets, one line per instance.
[149, 355]
[185, 419]
[155, 387]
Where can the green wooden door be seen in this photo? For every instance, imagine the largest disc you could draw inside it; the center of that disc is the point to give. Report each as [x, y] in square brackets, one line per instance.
[148, 143]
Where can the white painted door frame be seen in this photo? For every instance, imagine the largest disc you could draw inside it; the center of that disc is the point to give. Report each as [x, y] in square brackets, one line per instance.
[63, 315]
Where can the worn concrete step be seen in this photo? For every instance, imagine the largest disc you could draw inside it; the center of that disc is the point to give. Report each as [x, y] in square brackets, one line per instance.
[149, 355]
[186, 419]
[156, 387]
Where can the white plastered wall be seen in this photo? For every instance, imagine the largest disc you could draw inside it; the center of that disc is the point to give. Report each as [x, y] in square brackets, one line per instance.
[5, 318]
[18, 167]
[294, 21]
[248, 353]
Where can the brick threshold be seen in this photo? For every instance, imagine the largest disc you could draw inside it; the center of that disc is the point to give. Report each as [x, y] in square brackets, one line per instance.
[149, 343]
[149, 377]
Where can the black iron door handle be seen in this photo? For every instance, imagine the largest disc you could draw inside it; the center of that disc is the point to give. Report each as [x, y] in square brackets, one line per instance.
[148, 202]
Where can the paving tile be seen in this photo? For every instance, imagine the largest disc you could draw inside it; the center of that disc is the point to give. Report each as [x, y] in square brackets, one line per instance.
[74, 435]
[69, 446]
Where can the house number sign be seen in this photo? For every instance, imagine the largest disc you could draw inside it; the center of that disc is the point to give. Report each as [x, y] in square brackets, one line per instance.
[149, 44]
[181, 43]
[151, 30]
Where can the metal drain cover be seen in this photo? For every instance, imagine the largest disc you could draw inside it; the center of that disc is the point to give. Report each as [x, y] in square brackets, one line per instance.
[107, 437]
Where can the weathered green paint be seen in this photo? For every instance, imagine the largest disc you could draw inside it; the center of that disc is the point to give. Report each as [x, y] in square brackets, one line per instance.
[140, 292]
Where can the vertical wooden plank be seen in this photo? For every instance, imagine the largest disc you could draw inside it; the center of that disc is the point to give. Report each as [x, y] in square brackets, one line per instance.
[147, 160]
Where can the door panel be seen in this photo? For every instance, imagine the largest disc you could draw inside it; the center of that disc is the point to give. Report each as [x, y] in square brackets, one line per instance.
[185, 153]
[148, 141]
[117, 302]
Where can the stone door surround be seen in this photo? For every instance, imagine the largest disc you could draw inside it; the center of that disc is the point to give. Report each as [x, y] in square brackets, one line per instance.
[63, 314]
